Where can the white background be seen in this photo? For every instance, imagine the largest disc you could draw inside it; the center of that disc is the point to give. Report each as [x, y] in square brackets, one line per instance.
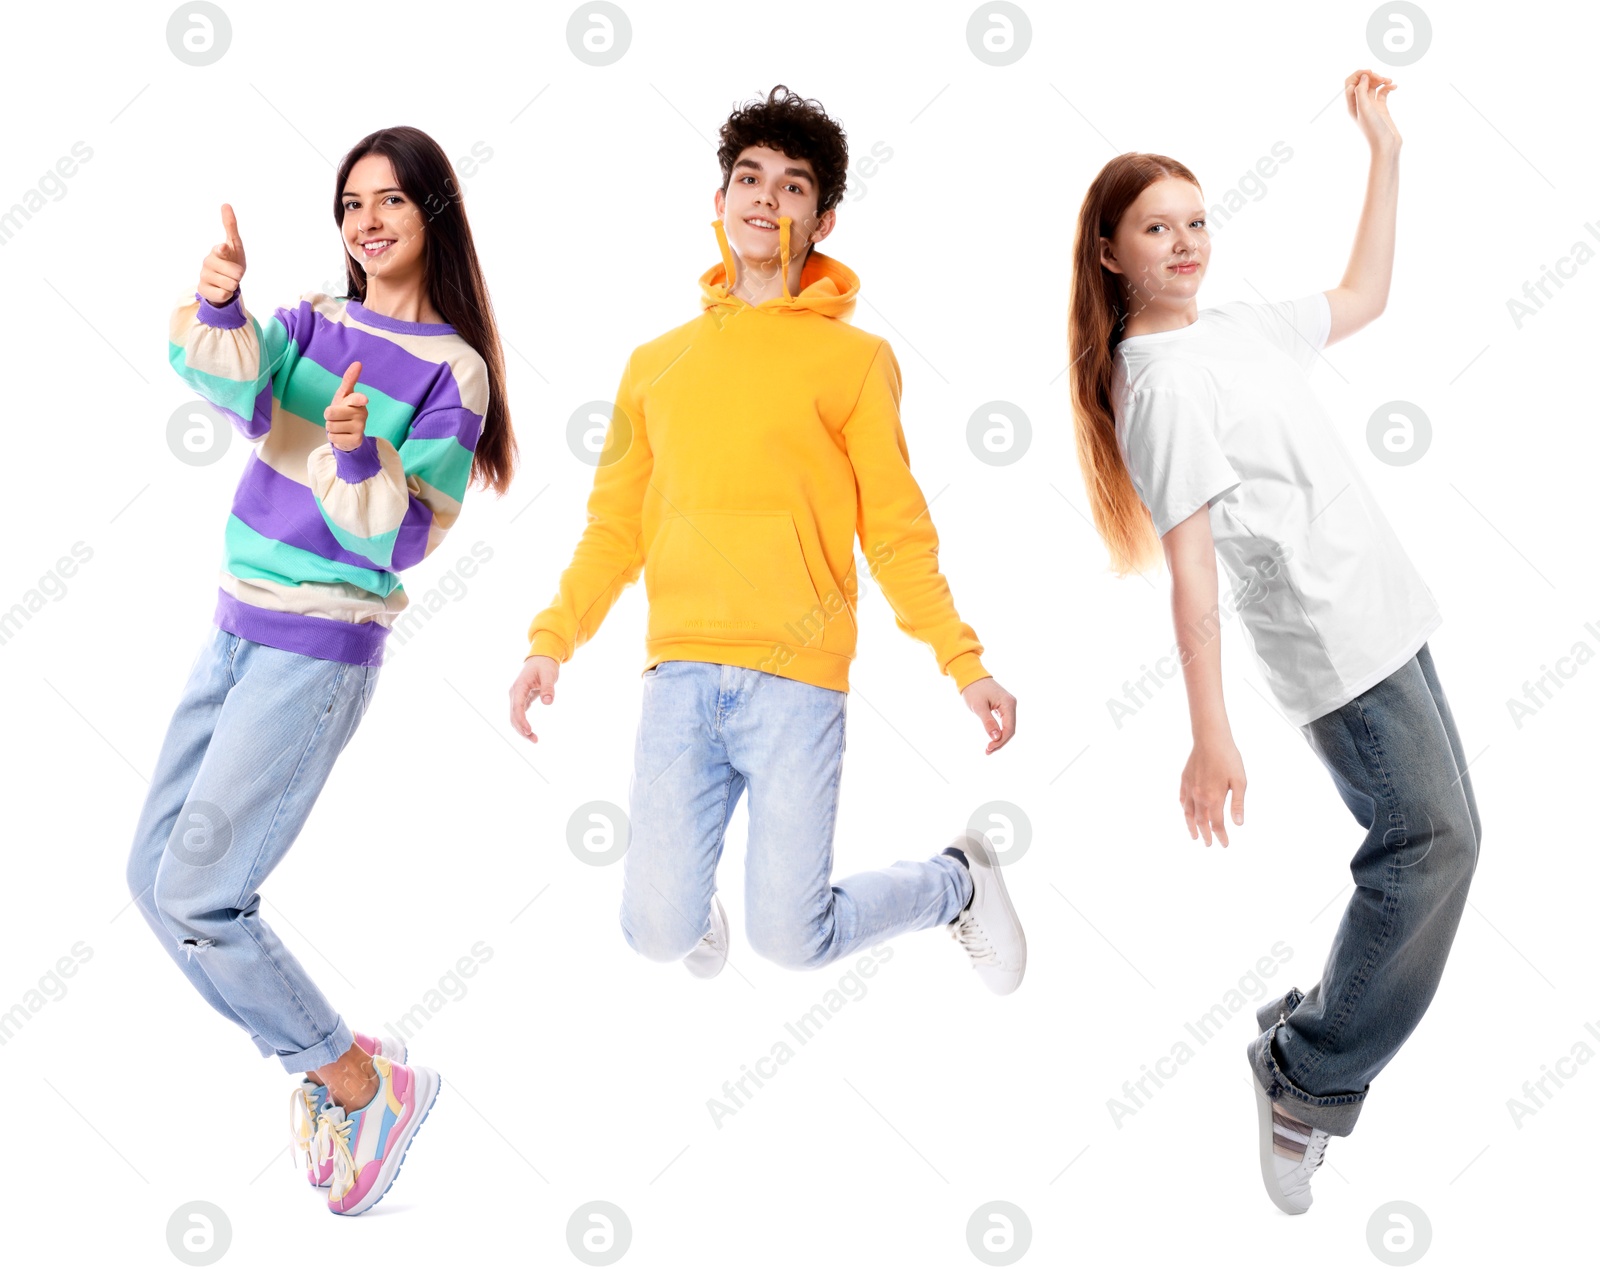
[574, 1070]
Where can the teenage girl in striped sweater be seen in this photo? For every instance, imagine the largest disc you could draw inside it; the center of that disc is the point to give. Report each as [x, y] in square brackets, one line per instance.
[373, 412]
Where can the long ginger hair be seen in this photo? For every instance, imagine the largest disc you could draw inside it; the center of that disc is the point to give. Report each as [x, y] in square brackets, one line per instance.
[1095, 323]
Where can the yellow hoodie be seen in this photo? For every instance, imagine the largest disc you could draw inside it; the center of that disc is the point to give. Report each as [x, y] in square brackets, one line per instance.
[746, 450]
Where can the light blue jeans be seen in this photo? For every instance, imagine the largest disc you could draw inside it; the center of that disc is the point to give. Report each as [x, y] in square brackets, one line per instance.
[1397, 761]
[709, 731]
[249, 747]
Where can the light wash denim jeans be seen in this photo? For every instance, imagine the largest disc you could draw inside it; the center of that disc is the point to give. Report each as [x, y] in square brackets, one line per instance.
[248, 749]
[1397, 761]
[707, 732]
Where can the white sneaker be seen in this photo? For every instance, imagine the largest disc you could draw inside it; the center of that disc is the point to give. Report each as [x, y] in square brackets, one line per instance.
[711, 953]
[1290, 1152]
[988, 927]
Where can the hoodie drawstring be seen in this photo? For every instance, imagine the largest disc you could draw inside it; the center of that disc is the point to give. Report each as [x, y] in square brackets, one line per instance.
[783, 253]
[730, 272]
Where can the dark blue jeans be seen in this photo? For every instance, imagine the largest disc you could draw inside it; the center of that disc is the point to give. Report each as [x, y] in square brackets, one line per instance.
[1395, 756]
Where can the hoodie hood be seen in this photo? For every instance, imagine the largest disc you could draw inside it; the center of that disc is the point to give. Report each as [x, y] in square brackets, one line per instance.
[826, 286]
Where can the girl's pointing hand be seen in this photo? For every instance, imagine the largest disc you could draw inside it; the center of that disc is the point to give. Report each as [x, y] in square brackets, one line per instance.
[346, 418]
[223, 268]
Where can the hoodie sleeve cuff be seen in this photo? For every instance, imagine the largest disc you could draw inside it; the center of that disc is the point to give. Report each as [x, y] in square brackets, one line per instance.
[227, 316]
[966, 670]
[546, 643]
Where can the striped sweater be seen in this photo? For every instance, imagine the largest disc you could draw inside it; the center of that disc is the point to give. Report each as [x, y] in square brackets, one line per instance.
[317, 536]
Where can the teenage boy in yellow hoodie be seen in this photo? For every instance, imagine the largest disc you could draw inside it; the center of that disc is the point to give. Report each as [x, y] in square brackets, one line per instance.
[746, 450]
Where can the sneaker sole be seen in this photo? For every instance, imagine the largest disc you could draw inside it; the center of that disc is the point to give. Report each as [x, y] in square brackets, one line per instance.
[1269, 1171]
[996, 874]
[428, 1086]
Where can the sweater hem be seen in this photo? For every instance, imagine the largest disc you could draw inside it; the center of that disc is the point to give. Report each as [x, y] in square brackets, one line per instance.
[354, 643]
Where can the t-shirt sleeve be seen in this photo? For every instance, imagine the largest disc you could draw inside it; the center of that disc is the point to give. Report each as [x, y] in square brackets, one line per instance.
[1299, 327]
[1169, 441]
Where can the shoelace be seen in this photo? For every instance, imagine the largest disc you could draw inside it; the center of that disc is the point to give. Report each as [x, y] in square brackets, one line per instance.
[304, 1117]
[333, 1141]
[1314, 1151]
[969, 933]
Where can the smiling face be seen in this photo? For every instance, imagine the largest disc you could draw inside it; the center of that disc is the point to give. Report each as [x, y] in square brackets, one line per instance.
[765, 184]
[383, 229]
[1161, 246]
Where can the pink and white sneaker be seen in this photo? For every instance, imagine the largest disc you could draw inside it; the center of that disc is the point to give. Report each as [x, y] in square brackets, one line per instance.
[366, 1147]
[307, 1101]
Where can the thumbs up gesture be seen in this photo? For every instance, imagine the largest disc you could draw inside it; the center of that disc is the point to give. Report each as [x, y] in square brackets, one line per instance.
[223, 268]
[346, 418]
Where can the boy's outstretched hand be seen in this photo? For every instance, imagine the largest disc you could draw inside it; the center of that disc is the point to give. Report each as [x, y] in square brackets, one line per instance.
[537, 678]
[986, 698]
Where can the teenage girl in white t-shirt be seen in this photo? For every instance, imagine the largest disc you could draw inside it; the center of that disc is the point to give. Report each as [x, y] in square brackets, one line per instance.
[1199, 437]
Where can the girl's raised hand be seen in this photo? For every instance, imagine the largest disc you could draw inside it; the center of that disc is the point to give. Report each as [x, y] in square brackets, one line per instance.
[223, 268]
[1213, 771]
[346, 418]
[1366, 97]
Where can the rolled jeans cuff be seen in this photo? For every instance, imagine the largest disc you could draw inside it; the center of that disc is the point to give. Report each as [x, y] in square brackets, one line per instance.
[322, 1053]
[1334, 1115]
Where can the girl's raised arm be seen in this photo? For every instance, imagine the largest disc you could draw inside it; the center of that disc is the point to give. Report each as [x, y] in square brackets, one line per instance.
[219, 349]
[1214, 767]
[1364, 290]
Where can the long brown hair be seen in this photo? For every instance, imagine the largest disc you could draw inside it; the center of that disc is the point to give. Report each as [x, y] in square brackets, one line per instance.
[1095, 324]
[450, 272]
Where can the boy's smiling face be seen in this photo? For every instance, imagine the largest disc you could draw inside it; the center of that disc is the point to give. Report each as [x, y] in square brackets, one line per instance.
[765, 184]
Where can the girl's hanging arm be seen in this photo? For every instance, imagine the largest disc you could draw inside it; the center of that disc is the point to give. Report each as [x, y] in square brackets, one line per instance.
[1363, 292]
[1214, 767]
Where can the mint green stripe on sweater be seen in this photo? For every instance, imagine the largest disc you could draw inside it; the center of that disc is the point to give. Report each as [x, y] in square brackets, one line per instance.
[226, 394]
[249, 555]
[311, 391]
[380, 550]
[235, 395]
[441, 461]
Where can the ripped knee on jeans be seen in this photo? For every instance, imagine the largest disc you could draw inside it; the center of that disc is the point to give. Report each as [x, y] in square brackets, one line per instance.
[193, 945]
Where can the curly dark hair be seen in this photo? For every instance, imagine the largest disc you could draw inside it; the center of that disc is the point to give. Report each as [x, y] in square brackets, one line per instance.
[796, 126]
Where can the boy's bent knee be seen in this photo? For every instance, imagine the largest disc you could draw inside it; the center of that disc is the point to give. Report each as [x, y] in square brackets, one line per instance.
[654, 943]
[789, 951]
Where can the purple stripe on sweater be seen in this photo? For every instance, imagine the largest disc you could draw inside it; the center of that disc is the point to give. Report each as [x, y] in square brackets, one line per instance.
[358, 464]
[367, 317]
[455, 423]
[384, 364]
[229, 316]
[354, 643]
[412, 540]
[286, 511]
[258, 424]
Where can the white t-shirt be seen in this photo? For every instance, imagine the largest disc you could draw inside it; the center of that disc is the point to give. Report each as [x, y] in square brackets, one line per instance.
[1220, 413]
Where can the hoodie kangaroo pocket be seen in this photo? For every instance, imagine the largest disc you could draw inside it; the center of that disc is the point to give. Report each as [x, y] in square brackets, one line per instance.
[732, 577]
